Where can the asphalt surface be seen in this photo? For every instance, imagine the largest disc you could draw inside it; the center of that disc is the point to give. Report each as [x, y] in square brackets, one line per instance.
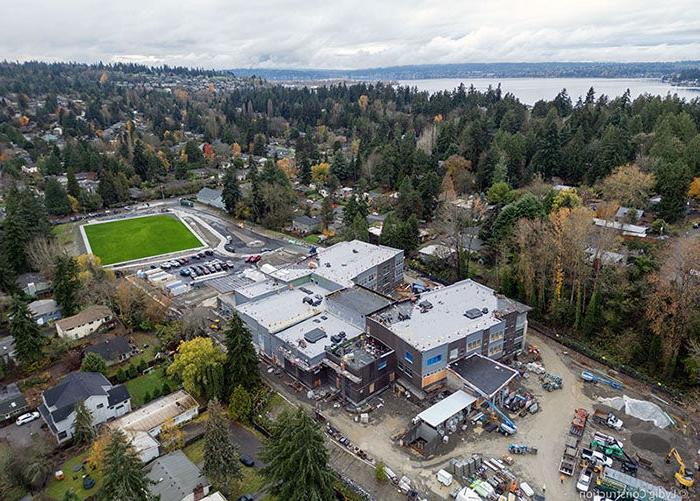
[21, 436]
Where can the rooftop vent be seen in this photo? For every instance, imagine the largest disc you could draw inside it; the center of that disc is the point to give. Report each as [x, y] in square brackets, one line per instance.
[355, 251]
[473, 313]
[484, 310]
[425, 304]
[314, 335]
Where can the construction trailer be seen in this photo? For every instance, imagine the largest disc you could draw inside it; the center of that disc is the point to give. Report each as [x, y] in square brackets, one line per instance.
[623, 487]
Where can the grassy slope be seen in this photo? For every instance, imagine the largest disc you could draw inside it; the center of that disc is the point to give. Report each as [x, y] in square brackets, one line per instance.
[135, 238]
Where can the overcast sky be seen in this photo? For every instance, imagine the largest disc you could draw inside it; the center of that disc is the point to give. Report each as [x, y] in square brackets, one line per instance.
[348, 34]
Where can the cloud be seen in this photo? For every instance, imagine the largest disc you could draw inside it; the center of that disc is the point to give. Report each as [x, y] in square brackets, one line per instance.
[348, 34]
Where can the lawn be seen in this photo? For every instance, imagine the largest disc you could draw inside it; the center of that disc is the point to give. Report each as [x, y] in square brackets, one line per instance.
[252, 478]
[139, 386]
[139, 237]
[56, 489]
[147, 354]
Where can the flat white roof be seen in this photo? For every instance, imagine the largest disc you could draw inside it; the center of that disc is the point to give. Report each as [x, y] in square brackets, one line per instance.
[344, 261]
[446, 408]
[445, 321]
[285, 308]
[330, 325]
[156, 413]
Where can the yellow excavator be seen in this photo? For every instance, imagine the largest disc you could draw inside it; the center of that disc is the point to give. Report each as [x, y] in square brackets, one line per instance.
[683, 476]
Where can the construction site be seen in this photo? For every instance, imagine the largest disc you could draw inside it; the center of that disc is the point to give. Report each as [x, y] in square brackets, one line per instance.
[552, 431]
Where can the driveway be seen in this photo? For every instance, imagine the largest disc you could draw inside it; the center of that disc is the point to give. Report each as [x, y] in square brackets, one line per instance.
[21, 436]
[248, 442]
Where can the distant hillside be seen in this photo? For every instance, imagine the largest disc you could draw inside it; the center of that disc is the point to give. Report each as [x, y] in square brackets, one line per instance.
[476, 70]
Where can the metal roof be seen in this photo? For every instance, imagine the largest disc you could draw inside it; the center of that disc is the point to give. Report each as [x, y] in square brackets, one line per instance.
[446, 408]
[484, 374]
[156, 413]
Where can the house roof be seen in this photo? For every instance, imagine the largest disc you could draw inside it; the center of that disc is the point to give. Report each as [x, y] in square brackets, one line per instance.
[7, 346]
[11, 400]
[446, 408]
[175, 476]
[483, 374]
[43, 307]
[79, 386]
[89, 314]
[156, 413]
[306, 220]
[111, 349]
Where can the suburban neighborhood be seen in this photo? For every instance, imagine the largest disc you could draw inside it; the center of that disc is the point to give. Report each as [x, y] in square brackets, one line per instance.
[217, 285]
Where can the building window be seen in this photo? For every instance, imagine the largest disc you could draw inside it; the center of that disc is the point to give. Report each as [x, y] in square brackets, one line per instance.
[99, 406]
[381, 365]
[62, 434]
[496, 336]
[494, 349]
[454, 354]
[434, 360]
[474, 345]
[408, 357]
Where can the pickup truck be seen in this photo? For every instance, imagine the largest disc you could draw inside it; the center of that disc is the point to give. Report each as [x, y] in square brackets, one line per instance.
[608, 419]
[596, 457]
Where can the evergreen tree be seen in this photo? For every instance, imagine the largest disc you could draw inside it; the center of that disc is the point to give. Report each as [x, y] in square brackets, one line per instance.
[340, 167]
[231, 193]
[305, 172]
[56, 198]
[241, 366]
[66, 284]
[83, 429]
[327, 214]
[672, 182]
[92, 362]
[72, 187]
[124, 478]
[547, 160]
[221, 460]
[240, 405]
[360, 229]
[296, 460]
[28, 340]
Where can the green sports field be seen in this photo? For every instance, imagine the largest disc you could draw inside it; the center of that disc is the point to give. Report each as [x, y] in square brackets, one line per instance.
[139, 237]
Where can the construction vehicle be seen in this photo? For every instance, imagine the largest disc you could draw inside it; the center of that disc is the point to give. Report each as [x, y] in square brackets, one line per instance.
[683, 476]
[608, 419]
[591, 377]
[629, 464]
[578, 424]
[623, 487]
[185, 202]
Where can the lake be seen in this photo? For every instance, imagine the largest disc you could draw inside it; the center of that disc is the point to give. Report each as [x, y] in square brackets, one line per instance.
[531, 90]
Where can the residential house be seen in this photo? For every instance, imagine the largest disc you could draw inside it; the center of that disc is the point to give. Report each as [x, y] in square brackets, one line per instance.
[104, 400]
[7, 349]
[91, 319]
[628, 215]
[12, 402]
[45, 311]
[306, 224]
[175, 478]
[143, 425]
[113, 350]
[33, 284]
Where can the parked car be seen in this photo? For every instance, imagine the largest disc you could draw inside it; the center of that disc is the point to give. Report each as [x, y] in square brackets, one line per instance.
[209, 252]
[217, 266]
[245, 497]
[165, 266]
[230, 264]
[27, 418]
[266, 249]
[247, 460]
[584, 481]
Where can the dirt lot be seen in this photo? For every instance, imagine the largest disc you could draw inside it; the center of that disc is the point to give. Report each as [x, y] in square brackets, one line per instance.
[546, 430]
